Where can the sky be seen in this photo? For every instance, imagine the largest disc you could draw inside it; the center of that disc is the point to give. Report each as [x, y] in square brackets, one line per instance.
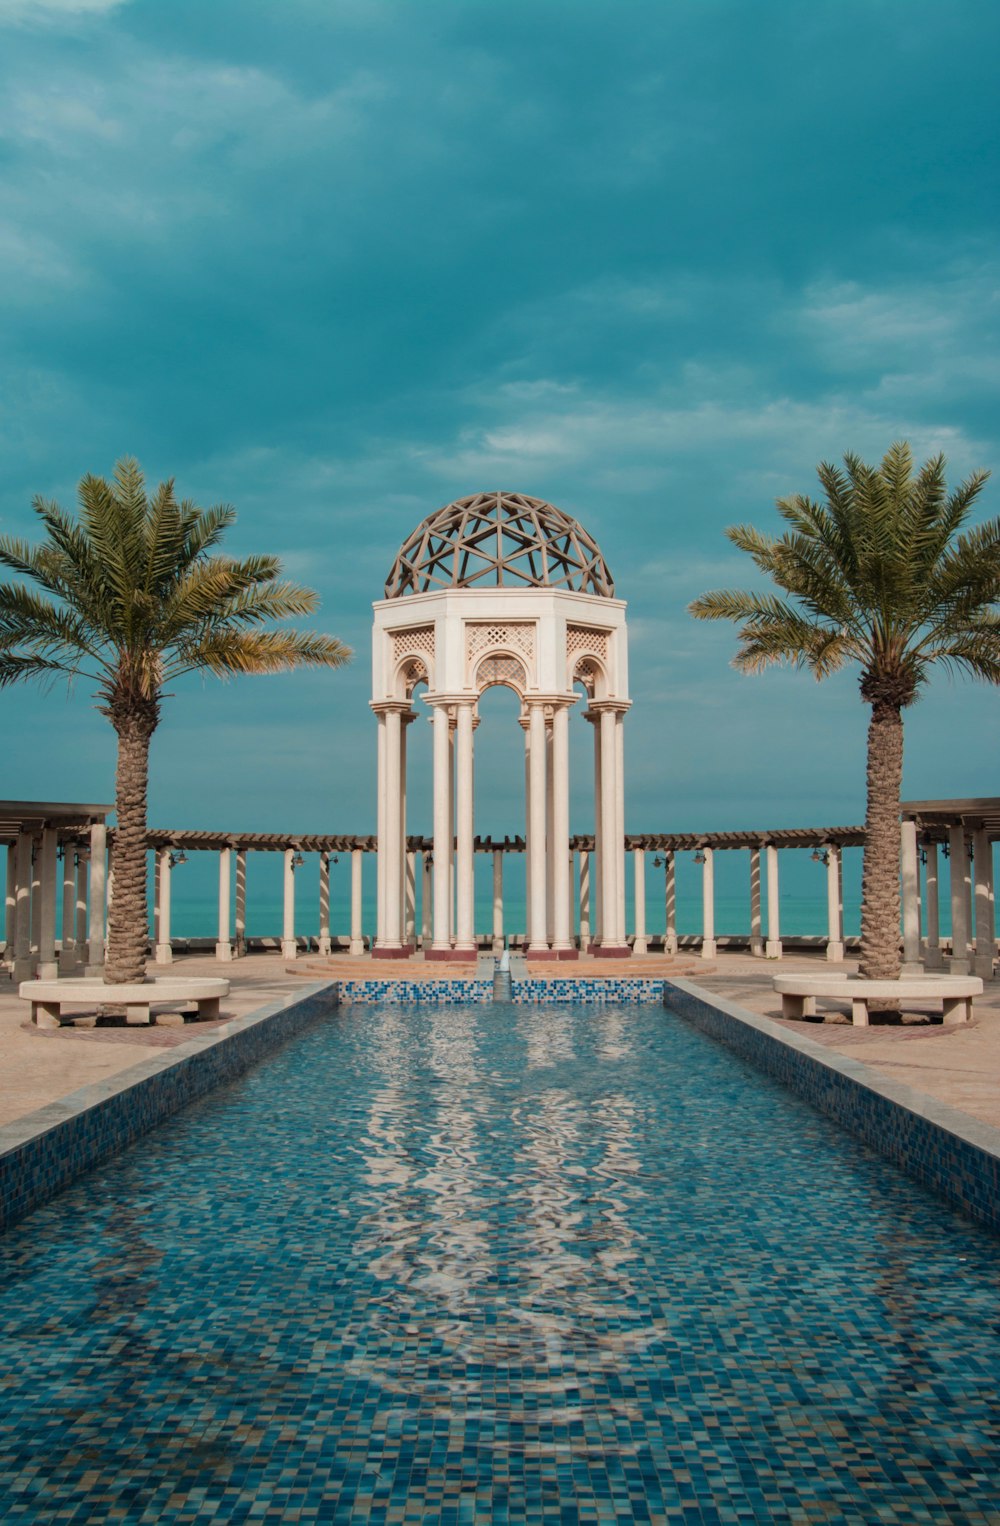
[340, 262]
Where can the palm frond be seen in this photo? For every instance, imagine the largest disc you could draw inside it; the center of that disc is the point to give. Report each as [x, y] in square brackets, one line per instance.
[228, 653]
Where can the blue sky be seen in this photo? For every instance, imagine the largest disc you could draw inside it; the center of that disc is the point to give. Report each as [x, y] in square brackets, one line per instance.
[339, 263]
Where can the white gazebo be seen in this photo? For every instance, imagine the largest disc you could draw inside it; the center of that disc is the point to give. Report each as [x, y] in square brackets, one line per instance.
[499, 588]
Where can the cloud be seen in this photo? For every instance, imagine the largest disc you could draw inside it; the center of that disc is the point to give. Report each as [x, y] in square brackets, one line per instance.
[51, 12]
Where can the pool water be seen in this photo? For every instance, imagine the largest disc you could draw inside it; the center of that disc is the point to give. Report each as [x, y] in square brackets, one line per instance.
[496, 1263]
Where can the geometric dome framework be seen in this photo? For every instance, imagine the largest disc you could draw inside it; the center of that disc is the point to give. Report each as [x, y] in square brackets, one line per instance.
[499, 540]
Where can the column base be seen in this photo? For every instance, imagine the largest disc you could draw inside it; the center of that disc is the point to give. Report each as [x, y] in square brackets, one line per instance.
[982, 966]
[835, 951]
[756, 948]
[564, 953]
[91, 971]
[49, 970]
[69, 964]
[670, 945]
[164, 954]
[324, 949]
[957, 966]
[223, 953]
[610, 951]
[357, 947]
[708, 947]
[640, 946]
[448, 955]
[392, 950]
[772, 950]
[289, 948]
[932, 958]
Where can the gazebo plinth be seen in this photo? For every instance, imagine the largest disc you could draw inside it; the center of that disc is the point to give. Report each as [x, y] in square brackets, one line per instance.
[452, 955]
[610, 951]
[550, 954]
[392, 951]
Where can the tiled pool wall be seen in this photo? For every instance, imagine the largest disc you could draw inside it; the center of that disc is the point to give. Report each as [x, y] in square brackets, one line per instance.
[406, 992]
[523, 992]
[947, 1152]
[44, 1151]
[615, 989]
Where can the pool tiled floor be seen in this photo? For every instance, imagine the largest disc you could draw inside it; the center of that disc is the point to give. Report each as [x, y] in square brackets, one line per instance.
[499, 1264]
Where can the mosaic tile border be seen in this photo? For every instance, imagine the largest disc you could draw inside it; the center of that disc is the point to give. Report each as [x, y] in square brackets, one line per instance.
[580, 989]
[411, 992]
[43, 1152]
[945, 1151]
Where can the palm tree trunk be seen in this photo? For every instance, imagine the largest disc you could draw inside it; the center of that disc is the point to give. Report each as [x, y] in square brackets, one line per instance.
[880, 959]
[128, 920]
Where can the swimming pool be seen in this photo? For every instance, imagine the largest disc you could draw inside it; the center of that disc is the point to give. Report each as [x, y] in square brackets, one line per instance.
[496, 1263]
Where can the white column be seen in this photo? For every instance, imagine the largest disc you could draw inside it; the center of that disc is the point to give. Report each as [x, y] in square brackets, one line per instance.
[597, 865]
[959, 862]
[986, 935]
[932, 947]
[670, 902]
[95, 898]
[391, 846]
[525, 725]
[452, 724]
[911, 898]
[48, 967]
[640, 945]
[498, 900]
[465, 931]
[609, 833]
[82, 871]
[620, 826]
[224, 946]
[562, 930]
[324, 946]
[36, 902]
[357, 933]
[550, 845]
[289, 947]
[67, 945]
[756, 938]
[773, 946]
[708, 904]
[585, 859]
[380, 833]
[834, 904]
[405, 903]
[10, 904]
[536, 858]
[241, 902]
[426, 899]
[23, 965]
[442, 830]
[163, 953]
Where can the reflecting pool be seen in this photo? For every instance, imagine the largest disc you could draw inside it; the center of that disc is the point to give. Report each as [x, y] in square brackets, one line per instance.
[496, 1263]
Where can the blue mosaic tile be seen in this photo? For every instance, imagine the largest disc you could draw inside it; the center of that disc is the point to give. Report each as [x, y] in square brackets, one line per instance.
[438, 1263]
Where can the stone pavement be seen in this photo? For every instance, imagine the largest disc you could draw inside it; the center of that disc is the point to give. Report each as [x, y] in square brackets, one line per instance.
[958, 1064]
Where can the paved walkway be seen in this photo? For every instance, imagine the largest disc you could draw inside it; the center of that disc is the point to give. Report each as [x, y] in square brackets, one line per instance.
[959, 1064]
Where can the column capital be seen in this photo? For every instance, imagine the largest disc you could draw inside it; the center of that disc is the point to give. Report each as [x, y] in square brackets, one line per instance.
[400, 707]
[598, 707]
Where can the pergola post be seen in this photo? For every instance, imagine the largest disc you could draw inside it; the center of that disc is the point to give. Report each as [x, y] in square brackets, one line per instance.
[241, 903]
[357, 945]
[23, 966]
[36, 902]
[426, 898]
[164, 952]
[756, 935]
[82, 874]
[772, 948]
[10, 904]
[95, 898]
[289, 945]
[670, 902]
[708, 947]
[498, 900]
[585, 859]
[959, 865]
[640, 943]
[834, 904]
[910, 875]
[67, 943]
[323, 946]
[410, 901]
[932, 945]
[224, 947]
[48, 967]
[985, 913]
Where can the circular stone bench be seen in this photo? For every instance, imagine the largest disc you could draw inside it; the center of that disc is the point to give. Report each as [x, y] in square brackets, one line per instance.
[48, 997]
[955, 992]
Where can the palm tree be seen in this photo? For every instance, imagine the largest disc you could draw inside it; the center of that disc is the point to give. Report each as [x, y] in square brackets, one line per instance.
[880, 575]
[128, 596]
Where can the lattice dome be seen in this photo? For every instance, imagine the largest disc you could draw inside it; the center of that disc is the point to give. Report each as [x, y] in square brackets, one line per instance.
[499, 540]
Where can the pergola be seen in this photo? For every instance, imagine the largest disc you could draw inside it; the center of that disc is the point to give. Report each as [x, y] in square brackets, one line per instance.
[37, 834]
[966, 830]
